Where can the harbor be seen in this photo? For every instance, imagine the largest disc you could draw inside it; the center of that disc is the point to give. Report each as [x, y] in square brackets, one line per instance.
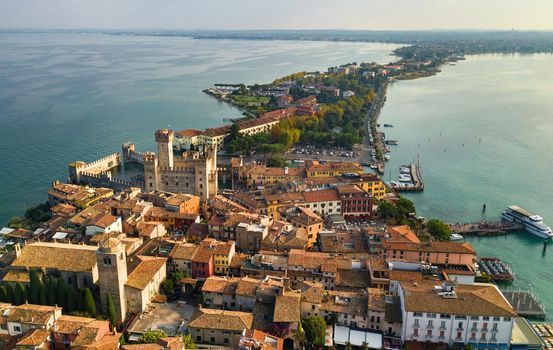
[484, 228]
[409, 179]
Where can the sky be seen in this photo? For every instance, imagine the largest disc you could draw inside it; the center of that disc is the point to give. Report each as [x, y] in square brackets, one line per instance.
[278, 14]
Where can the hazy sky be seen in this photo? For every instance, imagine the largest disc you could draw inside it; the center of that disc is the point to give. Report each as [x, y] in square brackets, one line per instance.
[278, 14]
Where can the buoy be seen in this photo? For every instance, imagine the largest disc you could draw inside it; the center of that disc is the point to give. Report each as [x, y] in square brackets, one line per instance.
[483, 207]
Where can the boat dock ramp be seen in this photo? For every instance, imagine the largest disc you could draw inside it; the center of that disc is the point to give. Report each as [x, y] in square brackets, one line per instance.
[484, 228]
[525, 303]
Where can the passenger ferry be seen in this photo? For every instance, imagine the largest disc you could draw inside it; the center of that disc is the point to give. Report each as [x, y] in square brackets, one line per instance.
[531, 222]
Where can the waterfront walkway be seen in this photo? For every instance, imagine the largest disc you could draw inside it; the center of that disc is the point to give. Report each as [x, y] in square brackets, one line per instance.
[484, 228]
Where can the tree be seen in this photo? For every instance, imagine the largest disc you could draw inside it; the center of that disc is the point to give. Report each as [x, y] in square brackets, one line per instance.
[386, 210]
[10, 294]
[43, 295]
[110, 310]
[314, 327]
[276, 161]
[19, 296]
[89, 305]
[72, 299]
[61, 290]
[439, 230]
[349, 346]
[3, 294]
[51, 291]
[167, 286]
[404, 207]
[365, 346]
[332, 319]
[151, 336]
[35, 284]
[299, 335]
[188, 342]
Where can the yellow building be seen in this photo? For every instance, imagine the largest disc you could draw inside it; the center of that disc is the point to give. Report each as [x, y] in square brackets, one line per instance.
[76, 195]
[257, 176]
[372, 185]
[331, 169]
[224, 251]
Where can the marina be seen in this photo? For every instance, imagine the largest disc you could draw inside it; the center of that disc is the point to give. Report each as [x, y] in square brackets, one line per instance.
[496, 270]
[409, 179]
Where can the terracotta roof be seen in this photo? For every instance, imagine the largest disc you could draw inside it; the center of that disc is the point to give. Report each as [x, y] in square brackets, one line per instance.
[344, 167]
[312, 292]
[440, 247]
[351, 303]
[32, 314]
[309, 260]
[144, 273]
[205, 251]
[321, 196]
[402, 233]
[284, 172]
[287, 307]
[352, 278]
[406, 276]
[103, 221]
[34, 338]
[217, 284]
[183, 251]
[221, 320]
[224, 248]
[247, 286]
[17, 276]
[71, 324]
[60, 256]
[472, 299]
[189, 132]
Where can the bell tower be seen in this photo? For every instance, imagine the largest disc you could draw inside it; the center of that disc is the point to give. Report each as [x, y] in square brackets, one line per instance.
[112, 274]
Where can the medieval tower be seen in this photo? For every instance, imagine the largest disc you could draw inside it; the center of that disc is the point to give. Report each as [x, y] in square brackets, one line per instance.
[193, 172]
[112, 272]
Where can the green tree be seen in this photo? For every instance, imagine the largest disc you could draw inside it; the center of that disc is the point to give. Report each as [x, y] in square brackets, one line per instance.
[28, 292]
[276, 161]
[151, 336]
[61, 290]
[404, 207]
[110, 310]
[167, 286]
[349, 346]
[314, 327]
[89, 306]
[72, 299]
[35, 284]
[51, 287]
[19, 296]
[365, 346]
[439, 230]
[386, 210]
[43, 296]
[332, 319]
[3, 294]
[188, 342]
[299, 335]
[10, 293]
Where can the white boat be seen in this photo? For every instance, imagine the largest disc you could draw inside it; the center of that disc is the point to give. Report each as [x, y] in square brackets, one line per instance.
[531, 222]
[387, 157]
[456, 237]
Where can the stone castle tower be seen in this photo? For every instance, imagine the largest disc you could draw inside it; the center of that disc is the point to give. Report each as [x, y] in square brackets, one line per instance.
[194, 172]
[112, 272]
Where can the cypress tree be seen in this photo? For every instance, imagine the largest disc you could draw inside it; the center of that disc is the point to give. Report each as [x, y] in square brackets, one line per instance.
[62, 292]
[51, 291]
[110, 310]
[9, 292]
[27, 292]
[43, 300]
[3, 294]
[72, 300]
[35, 286]
[19, 295]
[89, 306]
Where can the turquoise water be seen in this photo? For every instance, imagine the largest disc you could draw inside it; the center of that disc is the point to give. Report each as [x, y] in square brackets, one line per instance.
[65, 97]
[483, 131]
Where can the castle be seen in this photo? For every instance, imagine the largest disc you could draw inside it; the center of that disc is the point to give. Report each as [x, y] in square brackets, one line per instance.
[193, 172]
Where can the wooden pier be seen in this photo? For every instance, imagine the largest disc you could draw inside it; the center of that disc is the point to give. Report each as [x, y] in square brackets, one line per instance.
[525, 303]
[483, 228]
[416, 176]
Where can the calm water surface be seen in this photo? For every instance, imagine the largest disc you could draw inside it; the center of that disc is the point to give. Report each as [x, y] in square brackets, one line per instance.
[483, 131]
[79, 96]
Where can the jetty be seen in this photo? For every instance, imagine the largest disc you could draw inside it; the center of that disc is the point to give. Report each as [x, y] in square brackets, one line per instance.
[415, 185]
[496, 270]
[484, 228]
[525, 303]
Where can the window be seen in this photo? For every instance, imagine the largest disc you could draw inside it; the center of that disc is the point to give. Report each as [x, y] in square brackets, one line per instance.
[416, 322]
[497, 318]
[429, 332]
[459, 335]
[416, 332]
[430, 323]
[212, 340]
[442, 334]
[226, 340]
[198, 338]
[473, 336]
[507, 319]
[17, 328]
[417, 314]
[475, 318]
[494, 327]
[431, 315]
[485, 318]
[442, 325]
[483, 336]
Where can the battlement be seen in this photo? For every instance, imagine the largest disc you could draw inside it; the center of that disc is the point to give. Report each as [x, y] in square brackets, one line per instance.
[99, 165]
[149, 157]
[164, 135]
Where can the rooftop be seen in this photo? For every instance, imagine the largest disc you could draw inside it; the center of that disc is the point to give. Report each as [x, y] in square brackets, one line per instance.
[60, 256]
[221, 320]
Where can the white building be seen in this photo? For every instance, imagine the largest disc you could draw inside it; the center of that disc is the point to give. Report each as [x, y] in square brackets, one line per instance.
[104, 224]
[476, 315]
[347, 93]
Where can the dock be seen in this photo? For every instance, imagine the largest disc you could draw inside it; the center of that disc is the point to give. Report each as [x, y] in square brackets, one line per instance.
[483, 228]
[417, 184]
[496, 270]
[525, 303]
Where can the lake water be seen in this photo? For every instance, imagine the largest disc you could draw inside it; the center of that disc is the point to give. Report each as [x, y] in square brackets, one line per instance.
[483, 131]
[65, 97]
[482, 128]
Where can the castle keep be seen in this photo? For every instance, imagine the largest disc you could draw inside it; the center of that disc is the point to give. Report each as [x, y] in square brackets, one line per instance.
[193, 172]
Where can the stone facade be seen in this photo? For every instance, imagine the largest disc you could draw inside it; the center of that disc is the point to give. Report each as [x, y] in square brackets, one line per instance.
[112, 267]
[195, 172]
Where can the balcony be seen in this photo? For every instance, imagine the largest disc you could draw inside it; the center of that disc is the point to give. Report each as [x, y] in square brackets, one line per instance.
[443, 328]
[495, 330]
[416, 325]
[441, 337]
[428, 336]
[430, 326]
[460, 329]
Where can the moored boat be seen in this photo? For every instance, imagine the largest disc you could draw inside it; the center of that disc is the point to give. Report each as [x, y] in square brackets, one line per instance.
[532, 223]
